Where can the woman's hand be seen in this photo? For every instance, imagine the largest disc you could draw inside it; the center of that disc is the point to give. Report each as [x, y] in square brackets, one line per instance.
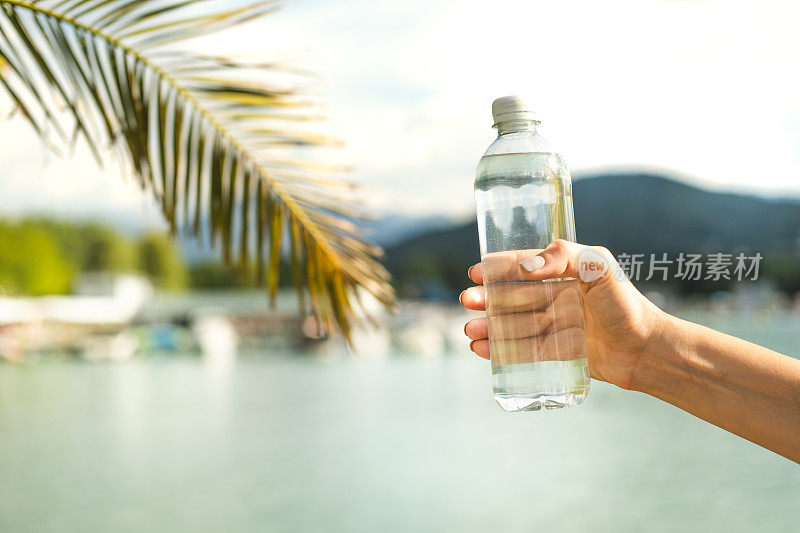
[746, 389]
[619, 320]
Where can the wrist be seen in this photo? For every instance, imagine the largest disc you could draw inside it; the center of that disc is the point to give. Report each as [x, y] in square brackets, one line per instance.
[660, 355]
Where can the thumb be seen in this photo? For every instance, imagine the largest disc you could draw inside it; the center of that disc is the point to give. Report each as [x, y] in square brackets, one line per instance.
[589, 264]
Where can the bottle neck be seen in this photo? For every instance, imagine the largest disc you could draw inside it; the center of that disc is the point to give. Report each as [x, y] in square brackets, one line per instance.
[516, 126]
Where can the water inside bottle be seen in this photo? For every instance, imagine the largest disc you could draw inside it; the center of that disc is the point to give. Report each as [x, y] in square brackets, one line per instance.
[536, 330]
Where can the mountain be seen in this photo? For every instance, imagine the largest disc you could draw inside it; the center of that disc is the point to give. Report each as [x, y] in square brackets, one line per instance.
[385, 231]
[393, 228]
[627, 213]
[653, 214]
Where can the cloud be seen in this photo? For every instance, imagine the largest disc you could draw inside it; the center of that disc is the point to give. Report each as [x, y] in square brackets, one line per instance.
[36, 182]
[706, 89]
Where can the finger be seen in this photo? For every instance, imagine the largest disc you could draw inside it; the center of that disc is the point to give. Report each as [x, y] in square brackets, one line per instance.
[515, 297]
[480, 347]
[568, 259]
[565, 312]
[557, 260]
[504, 266]
[475, 273]
[563, 345]
[477, 329]
[474, 298]
[561, 258]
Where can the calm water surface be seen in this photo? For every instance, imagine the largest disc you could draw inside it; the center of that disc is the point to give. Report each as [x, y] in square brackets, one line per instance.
[288, 444]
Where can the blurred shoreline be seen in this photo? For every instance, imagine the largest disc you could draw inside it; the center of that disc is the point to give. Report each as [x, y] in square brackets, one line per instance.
[128, 319]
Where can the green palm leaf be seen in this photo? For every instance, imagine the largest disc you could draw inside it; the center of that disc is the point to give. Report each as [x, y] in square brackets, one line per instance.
[221, 154]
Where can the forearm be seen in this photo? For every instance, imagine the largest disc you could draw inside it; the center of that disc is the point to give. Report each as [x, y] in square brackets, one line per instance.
[741, 387]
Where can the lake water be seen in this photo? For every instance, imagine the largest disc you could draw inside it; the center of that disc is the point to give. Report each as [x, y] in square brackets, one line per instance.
[284, 443]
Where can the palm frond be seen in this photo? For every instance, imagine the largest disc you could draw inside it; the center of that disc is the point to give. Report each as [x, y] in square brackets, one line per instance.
[218, 151]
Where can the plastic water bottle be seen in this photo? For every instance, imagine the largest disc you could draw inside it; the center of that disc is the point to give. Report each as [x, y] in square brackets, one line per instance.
[523, 193]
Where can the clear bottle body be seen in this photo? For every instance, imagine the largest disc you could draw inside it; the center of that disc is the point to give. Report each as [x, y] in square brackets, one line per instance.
[523, 193]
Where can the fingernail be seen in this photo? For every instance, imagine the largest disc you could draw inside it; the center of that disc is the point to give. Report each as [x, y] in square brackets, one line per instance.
[470, 346]
[532, 264]
[469, 272]
[461, 295]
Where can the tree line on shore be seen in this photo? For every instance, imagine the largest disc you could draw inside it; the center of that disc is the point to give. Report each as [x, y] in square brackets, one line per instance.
[40, 256]
[45, 256]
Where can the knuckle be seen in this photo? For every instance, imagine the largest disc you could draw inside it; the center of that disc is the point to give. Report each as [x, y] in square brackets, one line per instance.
[603, 252]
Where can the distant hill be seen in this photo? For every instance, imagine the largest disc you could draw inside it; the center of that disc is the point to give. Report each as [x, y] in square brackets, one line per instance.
[632, 213]
[384, 231]
[648, 213]
[393, 228]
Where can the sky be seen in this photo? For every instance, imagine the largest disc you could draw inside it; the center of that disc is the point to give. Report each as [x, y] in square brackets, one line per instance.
[704, 91]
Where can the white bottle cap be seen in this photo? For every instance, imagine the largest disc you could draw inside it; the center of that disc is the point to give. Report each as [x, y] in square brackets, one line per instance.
[510, 108]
